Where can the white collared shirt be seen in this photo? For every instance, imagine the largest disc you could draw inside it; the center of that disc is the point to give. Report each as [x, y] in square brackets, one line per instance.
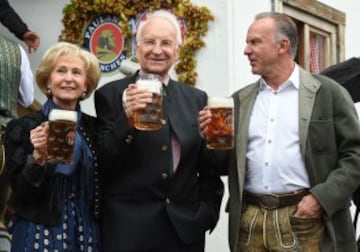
[26, 85]
[274, 162]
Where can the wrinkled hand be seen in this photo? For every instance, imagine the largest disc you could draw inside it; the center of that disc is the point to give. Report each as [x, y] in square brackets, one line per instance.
[204, 118]
[32, 40]
[38, 138]
[136, 98]
[308, 207]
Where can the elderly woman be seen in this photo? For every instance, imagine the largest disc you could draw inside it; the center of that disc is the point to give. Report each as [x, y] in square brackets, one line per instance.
[56, 204]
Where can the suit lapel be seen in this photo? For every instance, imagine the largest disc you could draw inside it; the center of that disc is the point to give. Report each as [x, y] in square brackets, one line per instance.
[169, 105]
[307, 94]
[246, 100]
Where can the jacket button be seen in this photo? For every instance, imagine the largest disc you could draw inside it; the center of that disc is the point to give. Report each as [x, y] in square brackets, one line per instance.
[167, 201]
[129, 139]
[164, 176]
[164, 148]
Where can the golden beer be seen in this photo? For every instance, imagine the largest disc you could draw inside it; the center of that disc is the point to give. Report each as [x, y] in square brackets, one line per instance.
[220, 131]
[150, 117]
[61, 136]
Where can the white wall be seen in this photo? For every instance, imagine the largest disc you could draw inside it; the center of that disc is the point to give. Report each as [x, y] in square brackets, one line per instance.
[222, 67]
[43, 17]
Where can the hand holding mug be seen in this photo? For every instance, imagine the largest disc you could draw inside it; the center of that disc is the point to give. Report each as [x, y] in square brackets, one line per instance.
[136, 99]
[38, 138]
[219, 128]
[148, 114]
[204, 118]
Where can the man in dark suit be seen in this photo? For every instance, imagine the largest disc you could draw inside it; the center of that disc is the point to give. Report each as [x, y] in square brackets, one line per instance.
[159, 192]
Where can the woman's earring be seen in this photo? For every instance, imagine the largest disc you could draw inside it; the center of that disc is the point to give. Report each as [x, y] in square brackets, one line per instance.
[83, 95]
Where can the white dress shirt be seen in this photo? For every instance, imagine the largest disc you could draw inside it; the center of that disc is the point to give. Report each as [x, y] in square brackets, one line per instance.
[274, 162]
[26, 86]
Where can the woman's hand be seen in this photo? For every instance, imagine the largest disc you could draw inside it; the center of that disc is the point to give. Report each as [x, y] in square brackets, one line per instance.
[38, 138]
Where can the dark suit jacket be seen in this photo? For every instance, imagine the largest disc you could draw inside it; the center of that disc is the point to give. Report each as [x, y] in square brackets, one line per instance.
[11, 20]
[139, 193]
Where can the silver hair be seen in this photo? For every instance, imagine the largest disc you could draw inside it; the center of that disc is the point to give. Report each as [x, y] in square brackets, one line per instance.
[165, 15]
[285, 28]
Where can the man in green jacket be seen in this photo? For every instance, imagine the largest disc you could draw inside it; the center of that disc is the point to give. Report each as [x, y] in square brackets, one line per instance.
[296, 159]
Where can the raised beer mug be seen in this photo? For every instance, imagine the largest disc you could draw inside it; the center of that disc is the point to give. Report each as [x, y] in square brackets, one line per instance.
[220, 131]
[150, 117]
[61, 136]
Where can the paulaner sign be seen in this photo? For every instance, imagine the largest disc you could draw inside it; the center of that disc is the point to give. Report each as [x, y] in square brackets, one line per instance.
[103, 37]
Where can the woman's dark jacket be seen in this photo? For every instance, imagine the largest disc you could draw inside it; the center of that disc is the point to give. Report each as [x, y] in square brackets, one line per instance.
[32, 186]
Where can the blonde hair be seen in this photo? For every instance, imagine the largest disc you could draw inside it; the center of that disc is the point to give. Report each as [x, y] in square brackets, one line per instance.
[48, 62]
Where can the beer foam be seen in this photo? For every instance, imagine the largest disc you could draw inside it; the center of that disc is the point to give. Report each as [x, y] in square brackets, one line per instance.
[59, 114]
[220, 102]
[153, 86]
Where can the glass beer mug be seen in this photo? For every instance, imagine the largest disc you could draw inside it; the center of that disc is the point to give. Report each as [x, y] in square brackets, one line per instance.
[220, 132]
[150, 117]
[61, 136]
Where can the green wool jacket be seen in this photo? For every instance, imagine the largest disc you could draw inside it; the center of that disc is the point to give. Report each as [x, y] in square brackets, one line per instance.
[330, 146]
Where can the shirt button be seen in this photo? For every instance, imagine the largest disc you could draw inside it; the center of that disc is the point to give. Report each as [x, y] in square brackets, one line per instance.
[164, 148]
[164, 176]
[167, 201]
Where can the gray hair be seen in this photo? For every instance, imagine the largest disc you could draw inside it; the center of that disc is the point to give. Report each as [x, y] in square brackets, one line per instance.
[285, 28]
[165, 15]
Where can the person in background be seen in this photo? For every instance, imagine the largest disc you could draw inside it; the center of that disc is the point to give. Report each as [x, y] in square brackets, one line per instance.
[16, 86]
[297, 153]
[55, 204]
[159, 193]
[11, 20]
